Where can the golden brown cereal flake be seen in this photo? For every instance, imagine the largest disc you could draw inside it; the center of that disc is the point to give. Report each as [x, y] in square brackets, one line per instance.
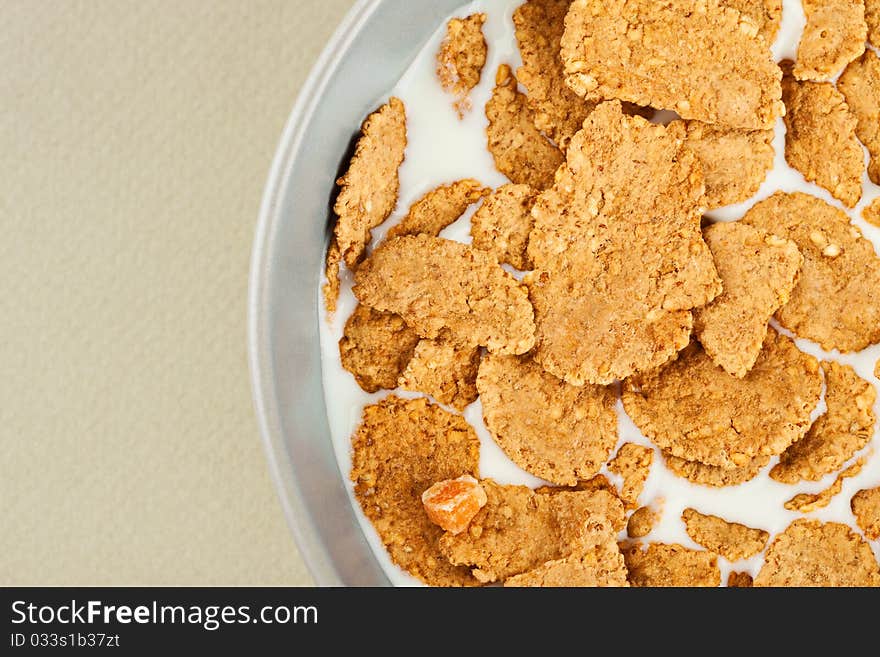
[330, 290]
[501, 225]
[712, 475]
[765, 14]
[860, 85]
[735, 162]
[439, 208]
[451, 504]
[834, 35]
[559, 112]
[598, 562]
[552, 429]
[740, 580]
[820, 138]
[633, 463]
[598, 482]
[696, 410]
[519, 530]
[634, 50]
[368, 190]
[836, 301]
[670, 565]
[402, 448]
[641, 522]
[865, 506]
[447, 289]
[618, 254]
[872, 18]
[871, 213]
[624, 168]
[375, 347]
[845, 428]
[444, 370]
[758, 272]
[585, 337]
[519, 149]
[461, 58]
[812, 553]
[731, 540]
[809, 502]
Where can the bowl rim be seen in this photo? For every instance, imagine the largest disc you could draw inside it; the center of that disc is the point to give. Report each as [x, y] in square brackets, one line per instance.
[299, 521]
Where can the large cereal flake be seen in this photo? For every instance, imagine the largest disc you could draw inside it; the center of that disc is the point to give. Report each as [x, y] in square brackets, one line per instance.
[697, 57]
[872, 18]
[713, 475]
[447, 289]
[519, 530]
[461, 58]
[820, 138]
[731, 540]
[860, 84]
[557, 431]
[598, 562]
[618, 254]
[836, 301]
[834, 35]
[735, 162]
[696, 410]
[439, 208]
[812, 553]
[444, 370]
[519, 149]
[559, 111]
[502, 224]
[375, 347]
[845, 428]
[663, 565]
[401, 449]
[368, 190]
[758, 272]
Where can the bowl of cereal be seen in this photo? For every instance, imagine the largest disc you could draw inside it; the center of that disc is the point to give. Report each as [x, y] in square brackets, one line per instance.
[555, 293]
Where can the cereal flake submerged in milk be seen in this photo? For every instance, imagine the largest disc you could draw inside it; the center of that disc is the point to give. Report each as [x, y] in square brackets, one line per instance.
[443, 149]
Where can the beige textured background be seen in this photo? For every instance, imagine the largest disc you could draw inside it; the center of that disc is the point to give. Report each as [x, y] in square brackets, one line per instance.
[135, 138]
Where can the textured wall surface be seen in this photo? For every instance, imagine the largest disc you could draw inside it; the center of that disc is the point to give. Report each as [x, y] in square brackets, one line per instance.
[135, 138]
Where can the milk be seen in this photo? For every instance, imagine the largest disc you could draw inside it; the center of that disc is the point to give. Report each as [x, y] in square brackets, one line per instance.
[443, 149]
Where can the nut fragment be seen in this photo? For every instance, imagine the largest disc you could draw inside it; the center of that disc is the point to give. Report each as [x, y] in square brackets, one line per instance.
[740, 580]
[453, 503]
[641, 522]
